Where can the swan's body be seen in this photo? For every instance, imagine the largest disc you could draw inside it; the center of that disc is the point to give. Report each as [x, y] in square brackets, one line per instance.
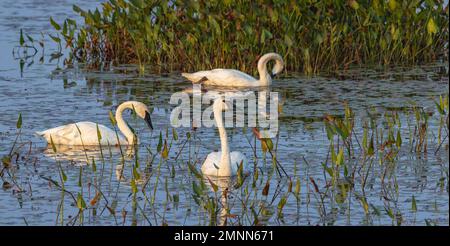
[85, 133]
[214, 158]
[223, 163]
[232, 77]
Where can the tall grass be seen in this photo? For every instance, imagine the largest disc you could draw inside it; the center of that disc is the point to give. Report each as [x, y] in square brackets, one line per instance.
[311, 35]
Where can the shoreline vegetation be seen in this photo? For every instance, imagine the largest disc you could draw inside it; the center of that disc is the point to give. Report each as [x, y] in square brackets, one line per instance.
[312, 36]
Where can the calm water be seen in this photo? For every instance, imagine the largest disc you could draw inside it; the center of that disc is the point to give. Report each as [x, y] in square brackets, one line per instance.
[46, 98]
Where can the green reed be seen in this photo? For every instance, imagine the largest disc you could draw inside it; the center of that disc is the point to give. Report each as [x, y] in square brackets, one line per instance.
[312, 36]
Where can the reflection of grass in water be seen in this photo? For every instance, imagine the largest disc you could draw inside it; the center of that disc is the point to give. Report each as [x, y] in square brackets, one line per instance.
[360, 176]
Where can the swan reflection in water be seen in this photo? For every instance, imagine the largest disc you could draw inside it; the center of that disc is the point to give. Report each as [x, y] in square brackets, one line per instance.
[225, 188]
[81, 156]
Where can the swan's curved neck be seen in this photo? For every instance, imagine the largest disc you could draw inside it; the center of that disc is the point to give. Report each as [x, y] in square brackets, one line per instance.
[264, 77]
[122, 125]
[225, 163]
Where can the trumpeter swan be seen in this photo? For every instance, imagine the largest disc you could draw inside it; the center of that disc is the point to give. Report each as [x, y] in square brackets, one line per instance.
[85, 133]
[223, 163]
[232, 77]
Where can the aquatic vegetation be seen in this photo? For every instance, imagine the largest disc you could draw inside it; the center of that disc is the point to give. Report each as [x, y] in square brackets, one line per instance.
[164, 181]
[312, 36]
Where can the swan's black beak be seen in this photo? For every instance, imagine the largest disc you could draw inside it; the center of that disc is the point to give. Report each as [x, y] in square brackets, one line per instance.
[148, 120]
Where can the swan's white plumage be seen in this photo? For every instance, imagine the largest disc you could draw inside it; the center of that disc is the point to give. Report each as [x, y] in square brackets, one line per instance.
[85, 133]
[221, 76]
[235, 78]
[211, 166]
[223, 163]
[69, 135]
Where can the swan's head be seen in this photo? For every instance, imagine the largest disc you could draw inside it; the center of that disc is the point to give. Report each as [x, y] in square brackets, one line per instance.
[221, 105]
[142, 111]
[279, 63]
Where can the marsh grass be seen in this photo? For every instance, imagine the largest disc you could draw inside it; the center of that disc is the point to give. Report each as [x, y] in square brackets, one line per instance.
[312, 36]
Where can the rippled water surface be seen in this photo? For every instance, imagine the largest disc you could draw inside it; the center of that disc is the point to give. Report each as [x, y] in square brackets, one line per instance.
[413, 190]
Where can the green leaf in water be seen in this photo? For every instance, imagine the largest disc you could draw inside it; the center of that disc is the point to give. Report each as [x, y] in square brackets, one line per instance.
[94, 167]
[80, 177]
[77, 9]
[112, 118]
[213, 185]
[176, 198]
[194, 171]
[340, 157]
[197, 189]
[413, 204]
[80, 202]
[63, 174]
[19, 121]
[55, 38]
[99, 134]
[297, 186]
[165, 152]
[158, 148]
[54, 24]
[174, 134]
[133, 186]
[399, 139]
[21, 39]
[281, 204]
[52, 144]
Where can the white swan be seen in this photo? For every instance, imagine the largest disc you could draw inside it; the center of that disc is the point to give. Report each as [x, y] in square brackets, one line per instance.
[223, 163]
[70, 134]
[231, 77]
